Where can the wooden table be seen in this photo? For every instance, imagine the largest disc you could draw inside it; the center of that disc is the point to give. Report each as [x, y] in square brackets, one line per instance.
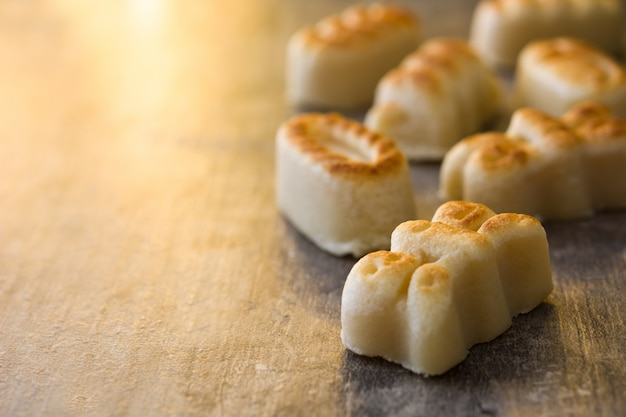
[145, 270]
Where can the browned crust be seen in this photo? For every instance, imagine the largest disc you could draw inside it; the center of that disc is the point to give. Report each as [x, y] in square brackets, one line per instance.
[463, 214]
[484, 222]
[505, 220]
[500, 5]
[579, 61]
[595, 123]
[503, 154]
[586, 122]
[412, 226]
[443, 51]
[360, 22]
[423, 78]
[379, 260]
[437, 230]
[481, 139]
[435, 57]
[301, 133]
[553, 131]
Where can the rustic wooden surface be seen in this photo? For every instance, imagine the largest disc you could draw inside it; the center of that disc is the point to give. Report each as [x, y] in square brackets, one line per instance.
[144, 269]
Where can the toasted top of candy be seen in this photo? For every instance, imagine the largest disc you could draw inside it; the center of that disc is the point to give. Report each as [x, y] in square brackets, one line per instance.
[511, 5]
[575, 62]
[425, 66]
[359, 24]
[342, 146]
[594, 122]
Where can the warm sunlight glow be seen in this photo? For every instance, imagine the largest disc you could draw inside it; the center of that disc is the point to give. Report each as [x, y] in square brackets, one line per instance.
[146, 16]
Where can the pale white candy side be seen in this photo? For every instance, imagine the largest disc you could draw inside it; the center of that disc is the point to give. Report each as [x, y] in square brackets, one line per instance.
[470, 260]
[604, 161]
[605, 165]
[523, 259]
[375, 303]
[405, 312]
[437, 338]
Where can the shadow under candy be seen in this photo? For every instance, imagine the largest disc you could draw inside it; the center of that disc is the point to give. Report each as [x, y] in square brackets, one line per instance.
[514, 362]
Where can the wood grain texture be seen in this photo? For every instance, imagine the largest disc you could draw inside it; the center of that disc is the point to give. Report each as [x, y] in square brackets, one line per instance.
[144, 269]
